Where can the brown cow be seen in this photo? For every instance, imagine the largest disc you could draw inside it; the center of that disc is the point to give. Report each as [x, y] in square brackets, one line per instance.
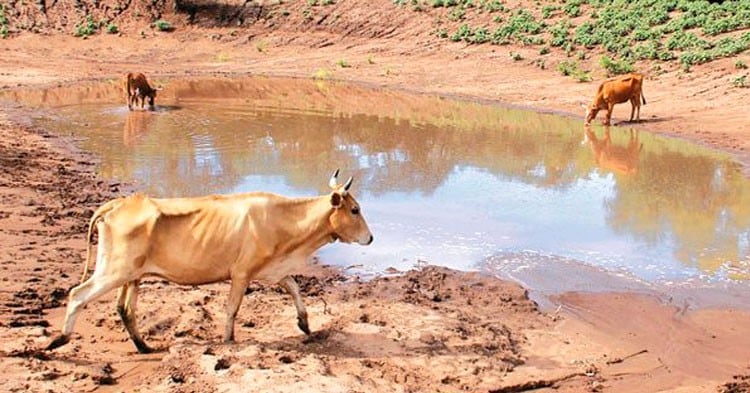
[136, 86]
[616, 91]
[621, 159]
[194, 241]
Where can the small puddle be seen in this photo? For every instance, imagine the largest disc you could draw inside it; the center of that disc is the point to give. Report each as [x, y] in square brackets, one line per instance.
[535, 197]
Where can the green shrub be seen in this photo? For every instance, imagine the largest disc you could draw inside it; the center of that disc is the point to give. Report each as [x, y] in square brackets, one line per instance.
[615, 67]
[112, 28]
[740, 65]
[571, 68]
[86, 28]
[567, 67]
[559, 33]
[572, 8]
[163, 25]
[547, 10]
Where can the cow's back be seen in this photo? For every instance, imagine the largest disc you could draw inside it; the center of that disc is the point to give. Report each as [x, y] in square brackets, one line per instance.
[136, 81]
[621, 89]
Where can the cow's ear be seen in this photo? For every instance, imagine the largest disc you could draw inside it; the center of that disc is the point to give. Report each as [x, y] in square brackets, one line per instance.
[336, 200]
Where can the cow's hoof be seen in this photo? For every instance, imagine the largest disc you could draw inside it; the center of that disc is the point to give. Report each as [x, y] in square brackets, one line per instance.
[59, 341]
[143, 348]
[302, 324]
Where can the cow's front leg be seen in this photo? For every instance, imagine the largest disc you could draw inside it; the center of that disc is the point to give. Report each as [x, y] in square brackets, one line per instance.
[291, 286]
[236, 293]
[610, 108]
[126, 303]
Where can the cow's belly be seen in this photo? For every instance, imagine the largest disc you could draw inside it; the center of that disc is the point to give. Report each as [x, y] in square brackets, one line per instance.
[276, 270]
[192, 264]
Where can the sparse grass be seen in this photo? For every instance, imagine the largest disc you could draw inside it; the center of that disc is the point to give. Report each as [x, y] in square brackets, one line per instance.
[343, 63]
[370, 59]
[572, 69]
[262, 46]
[222, 57]
[307, 14]
[322, 74]
[516, 56]
[3, 22]
[313, 3]
[740, 65]
[740, 81]
[112, 28]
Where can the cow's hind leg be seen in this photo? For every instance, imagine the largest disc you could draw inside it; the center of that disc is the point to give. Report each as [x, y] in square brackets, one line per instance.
[126, 303]
[290, 285]
[637, 103]
[81, 295]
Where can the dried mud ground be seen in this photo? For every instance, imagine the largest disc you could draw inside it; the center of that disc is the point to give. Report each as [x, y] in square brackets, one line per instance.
[422, 331]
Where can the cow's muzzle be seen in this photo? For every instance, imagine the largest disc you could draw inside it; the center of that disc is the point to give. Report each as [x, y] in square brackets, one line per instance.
[366, 240]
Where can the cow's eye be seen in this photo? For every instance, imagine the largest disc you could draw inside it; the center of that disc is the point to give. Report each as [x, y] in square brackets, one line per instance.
[355, 210]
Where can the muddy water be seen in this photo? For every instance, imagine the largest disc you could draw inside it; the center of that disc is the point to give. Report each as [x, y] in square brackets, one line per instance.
[531, 196]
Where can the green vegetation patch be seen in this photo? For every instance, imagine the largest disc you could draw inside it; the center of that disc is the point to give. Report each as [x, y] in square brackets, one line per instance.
[86, 28]
[686, 31]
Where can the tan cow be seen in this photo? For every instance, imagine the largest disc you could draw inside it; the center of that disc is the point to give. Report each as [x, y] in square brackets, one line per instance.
[616, 158]
[616, 91]
[136, 86]
[193, 241]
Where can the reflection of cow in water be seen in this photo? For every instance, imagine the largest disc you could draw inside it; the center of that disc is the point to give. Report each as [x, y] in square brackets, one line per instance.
[136, 124]
[620, 159]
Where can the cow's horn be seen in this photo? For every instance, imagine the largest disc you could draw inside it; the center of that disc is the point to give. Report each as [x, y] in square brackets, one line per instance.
[333, 183]
[348, 184]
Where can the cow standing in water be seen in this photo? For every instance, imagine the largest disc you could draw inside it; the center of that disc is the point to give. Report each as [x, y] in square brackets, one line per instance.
[136, 86]
[194, 241]
[616, 91]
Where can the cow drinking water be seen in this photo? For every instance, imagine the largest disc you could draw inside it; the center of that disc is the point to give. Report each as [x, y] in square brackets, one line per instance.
[616, 91]
[193, 241]
[137, 87]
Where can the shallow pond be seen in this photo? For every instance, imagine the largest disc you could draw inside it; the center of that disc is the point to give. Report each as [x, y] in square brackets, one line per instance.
[468, 185]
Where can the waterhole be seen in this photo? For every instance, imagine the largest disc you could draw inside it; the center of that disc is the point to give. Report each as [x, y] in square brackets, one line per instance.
[469, 185]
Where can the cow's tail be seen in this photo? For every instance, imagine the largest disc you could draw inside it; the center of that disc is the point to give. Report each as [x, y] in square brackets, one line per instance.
[98, 215]
[643, 97]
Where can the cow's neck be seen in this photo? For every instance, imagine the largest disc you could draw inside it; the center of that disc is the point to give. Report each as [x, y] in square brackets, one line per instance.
[305, 224]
